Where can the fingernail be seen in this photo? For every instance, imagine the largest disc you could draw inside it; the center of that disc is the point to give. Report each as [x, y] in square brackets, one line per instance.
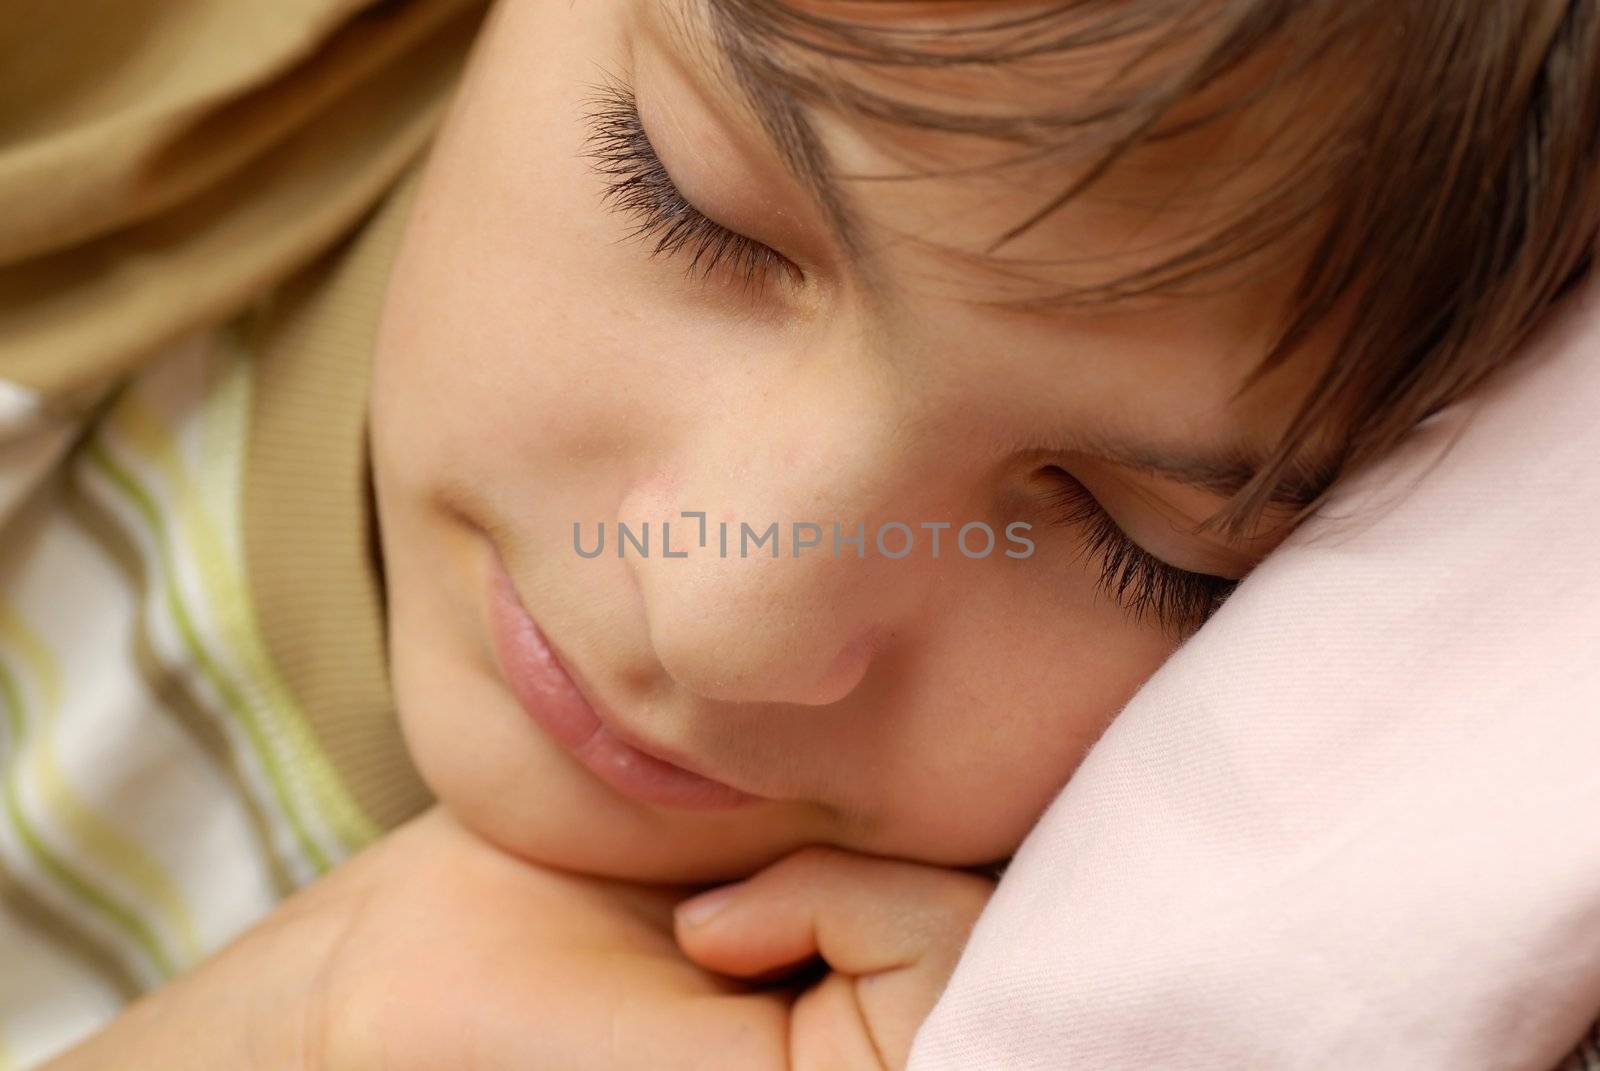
[697, 910]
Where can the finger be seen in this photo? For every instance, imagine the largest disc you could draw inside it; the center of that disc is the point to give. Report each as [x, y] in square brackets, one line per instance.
[862, 914]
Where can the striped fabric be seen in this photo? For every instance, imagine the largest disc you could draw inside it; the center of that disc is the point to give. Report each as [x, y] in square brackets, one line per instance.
[161, 788]
[198, 205]
[194, 709]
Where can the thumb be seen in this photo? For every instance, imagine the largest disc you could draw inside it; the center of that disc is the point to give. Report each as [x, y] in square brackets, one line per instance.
[862, 914]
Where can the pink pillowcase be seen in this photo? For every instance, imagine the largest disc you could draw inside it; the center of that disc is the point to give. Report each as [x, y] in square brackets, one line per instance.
[1355, 821]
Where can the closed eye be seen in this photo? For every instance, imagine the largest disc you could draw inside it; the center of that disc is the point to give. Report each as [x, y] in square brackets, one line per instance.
[1178, 600]
[637, 185]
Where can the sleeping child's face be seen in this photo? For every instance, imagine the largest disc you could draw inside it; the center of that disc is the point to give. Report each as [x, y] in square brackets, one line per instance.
[619, 304]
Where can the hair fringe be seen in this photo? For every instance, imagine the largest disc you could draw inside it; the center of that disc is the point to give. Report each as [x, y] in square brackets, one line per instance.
[1451, 204]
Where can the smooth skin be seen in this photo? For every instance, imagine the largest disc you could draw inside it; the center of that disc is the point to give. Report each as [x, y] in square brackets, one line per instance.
[433, 949]
[538, 368]
[903, 721]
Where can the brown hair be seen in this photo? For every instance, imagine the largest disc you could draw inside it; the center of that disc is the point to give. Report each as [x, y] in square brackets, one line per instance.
[1454, 200]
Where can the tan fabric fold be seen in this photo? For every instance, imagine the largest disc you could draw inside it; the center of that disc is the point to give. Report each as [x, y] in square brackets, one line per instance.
[100, 91]
[225, 201]
[167, 164]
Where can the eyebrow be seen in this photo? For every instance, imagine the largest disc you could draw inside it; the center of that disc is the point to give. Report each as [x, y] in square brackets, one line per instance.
[1223, 473]
[776, 109]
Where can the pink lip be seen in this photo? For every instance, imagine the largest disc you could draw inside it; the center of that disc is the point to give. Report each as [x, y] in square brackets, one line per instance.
[553, 700]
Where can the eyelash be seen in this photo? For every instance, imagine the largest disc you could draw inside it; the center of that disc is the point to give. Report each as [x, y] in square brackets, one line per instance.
[1142, 584]
[637, 184]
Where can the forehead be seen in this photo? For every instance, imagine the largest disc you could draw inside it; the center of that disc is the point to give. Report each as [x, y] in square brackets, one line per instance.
[932, 197]
[967, 129]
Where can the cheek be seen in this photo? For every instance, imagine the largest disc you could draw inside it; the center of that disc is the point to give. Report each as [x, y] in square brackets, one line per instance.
[505, 332]
[998, 715]
[529, 369]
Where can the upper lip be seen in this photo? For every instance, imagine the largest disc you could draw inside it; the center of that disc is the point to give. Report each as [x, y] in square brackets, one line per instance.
[608, 721]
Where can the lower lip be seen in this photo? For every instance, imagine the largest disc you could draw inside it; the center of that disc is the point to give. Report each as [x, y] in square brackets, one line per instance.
[543, 688]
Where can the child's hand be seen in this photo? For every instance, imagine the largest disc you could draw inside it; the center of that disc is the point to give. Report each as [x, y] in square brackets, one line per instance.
[433, 949]
[466, 958]
[889, 932]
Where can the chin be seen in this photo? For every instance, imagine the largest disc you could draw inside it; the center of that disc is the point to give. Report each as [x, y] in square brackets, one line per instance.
[625, 850]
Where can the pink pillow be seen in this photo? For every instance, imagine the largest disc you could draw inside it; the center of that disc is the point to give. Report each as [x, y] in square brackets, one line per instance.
[1355, 821]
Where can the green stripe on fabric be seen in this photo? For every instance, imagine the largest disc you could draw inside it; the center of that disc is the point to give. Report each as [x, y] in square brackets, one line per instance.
[93, 834]
[66, 935]
[142, 429]
[118, 914]
[231, 697]
[100, 527]
[227, 411]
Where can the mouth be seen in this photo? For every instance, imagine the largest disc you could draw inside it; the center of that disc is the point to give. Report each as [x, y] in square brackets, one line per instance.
[553, 699]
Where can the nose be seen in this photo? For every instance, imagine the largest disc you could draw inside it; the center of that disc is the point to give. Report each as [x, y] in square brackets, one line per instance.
[782, 594]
